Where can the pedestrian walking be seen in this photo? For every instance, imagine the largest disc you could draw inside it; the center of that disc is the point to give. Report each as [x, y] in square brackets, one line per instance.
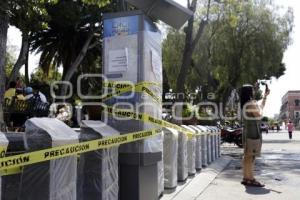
[291, 128]
[252, 135]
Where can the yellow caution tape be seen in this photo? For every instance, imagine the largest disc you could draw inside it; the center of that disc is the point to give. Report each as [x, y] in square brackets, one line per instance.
[128, 114]
[14, 164]
[11, 171]
[17, 161]
[124, 87]
[2, 151]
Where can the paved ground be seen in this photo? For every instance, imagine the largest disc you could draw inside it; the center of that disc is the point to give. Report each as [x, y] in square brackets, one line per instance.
[278, 168]
[195, 185]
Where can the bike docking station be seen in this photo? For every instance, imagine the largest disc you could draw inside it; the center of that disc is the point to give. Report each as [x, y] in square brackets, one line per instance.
[133, 53]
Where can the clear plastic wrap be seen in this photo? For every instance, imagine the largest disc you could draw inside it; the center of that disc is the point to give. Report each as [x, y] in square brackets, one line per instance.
[216, 142]
[160, 168]
[215, 147]
[170, 154]
[50, 180]
[182, 158]
[219, 144]
[143, 51]
[213, 143]
[11, 183]
[3, 144]
[198, 154]
[191, 150]
[208, 142]
[139, 46]
[204, 145]
[98, 177]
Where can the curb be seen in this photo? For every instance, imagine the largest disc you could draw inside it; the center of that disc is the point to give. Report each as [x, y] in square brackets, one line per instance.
[194, 186]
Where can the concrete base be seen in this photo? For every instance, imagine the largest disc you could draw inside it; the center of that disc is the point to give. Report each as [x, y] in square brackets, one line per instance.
[138, 176]
[195, 186]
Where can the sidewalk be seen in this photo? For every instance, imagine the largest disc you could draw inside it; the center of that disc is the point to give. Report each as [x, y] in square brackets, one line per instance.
[194, 186]
[278, 168]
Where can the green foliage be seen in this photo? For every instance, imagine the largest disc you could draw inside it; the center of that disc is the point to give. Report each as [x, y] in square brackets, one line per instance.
[40, 77]
[244, 42]
[70, 24]
[44, 80]
[187, 110]
[251, 50]
[99, 3]
[33, 17]
[172, 55]
[265, 119]
[29, 15]
[9, 63]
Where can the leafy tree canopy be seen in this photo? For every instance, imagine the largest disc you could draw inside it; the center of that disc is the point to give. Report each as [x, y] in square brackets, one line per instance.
[243, 42]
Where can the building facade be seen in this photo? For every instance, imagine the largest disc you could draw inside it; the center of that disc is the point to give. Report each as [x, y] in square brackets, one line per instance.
[290, 107]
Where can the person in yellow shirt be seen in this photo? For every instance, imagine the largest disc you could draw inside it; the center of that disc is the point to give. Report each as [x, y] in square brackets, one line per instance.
[11, 92]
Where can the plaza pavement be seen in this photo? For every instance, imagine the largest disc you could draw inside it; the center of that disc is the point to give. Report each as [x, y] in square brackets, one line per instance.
[278, 168]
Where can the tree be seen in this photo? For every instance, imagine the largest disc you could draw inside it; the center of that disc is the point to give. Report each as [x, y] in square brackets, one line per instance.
[191, 41]
[5, 10]
[3, 40]
[14, 12]
[243, 42]
[73, 35]
[28, 16]
[248, 44]
[44, 80]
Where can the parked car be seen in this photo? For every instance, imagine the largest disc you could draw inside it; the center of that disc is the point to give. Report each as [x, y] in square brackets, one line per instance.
[264, 128]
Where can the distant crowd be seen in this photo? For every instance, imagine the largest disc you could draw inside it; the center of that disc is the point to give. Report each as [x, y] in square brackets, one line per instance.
[17, 91]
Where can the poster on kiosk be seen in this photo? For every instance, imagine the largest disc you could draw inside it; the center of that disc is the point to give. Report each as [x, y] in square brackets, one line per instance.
[132, 55]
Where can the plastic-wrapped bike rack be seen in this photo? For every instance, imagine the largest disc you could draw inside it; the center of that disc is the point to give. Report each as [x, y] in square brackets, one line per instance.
[191, 146]
[98, 177]
[182, 159]
[49, 180]
[198, 154]
[170, 153]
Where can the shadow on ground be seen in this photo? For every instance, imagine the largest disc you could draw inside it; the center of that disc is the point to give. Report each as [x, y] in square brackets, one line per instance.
[257, 190]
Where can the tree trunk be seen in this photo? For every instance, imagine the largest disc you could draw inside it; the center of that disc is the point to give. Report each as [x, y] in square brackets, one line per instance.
[187, 54]
[3, 40]
[27, 69]
[189, 48]
[22, 57]
[76, 63]
[190, 44]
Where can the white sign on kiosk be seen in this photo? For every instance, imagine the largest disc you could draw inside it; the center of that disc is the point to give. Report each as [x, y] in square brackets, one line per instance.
[118, 60]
